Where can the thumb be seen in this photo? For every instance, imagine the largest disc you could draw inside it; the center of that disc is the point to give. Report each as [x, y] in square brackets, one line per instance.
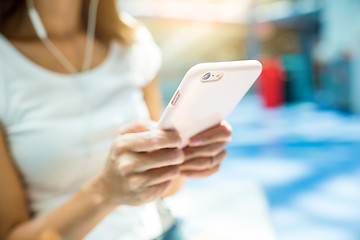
[137, 126]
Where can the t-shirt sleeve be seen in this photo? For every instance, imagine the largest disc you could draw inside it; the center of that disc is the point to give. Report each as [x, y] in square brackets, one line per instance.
[146, 57]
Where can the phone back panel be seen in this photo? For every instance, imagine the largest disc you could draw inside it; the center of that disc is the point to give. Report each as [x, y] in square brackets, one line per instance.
[198, 104]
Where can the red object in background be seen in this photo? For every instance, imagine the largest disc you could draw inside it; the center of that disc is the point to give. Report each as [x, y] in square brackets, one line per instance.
[271, 82]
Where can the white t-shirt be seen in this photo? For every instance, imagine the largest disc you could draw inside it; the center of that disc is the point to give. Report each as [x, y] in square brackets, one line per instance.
[60, 127]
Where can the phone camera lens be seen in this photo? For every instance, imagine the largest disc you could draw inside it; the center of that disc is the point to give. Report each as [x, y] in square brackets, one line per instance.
[206, 76]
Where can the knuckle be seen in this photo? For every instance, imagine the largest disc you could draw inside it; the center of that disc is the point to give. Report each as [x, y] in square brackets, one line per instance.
[120, 131]
[135, 182]
[173, 171]
[129, 127]
[223, 154]
[154, 139]
[159, 138]
[126, 166]
[160, 189]
[178, 156]
[173, 138]
[220, 157]
[141, 197]
[121, 145]
[189, 151]
[147, 196]
[214, 148]
[176, 139]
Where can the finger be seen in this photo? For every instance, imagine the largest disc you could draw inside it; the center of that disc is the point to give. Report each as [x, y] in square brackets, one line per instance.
[132, 162]
[147, 141]
[204, 151]
[153, 177]
[218, 133]
[202, 163]
[158, 159]
[200, 174]
[137, 126]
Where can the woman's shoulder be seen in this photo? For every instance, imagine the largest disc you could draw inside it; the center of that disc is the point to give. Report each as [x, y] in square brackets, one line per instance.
[4, 46]
[8, 68]
[142, 34]
[7, 55]
[128, 19]
[146, 53]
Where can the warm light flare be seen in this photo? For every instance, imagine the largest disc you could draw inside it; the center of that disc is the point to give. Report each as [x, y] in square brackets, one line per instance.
[230, 11]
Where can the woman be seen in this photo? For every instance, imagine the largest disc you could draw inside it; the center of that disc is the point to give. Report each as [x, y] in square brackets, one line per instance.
[74, 162]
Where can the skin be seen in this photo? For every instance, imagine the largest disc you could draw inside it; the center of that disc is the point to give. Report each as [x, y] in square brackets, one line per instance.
[144, 163]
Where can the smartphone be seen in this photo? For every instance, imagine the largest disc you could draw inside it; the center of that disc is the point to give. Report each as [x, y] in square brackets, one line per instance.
[208, 93]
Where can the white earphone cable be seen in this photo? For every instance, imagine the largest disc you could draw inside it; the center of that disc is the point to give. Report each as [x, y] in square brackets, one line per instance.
[59, 56]
[42, 34]
[89, 48]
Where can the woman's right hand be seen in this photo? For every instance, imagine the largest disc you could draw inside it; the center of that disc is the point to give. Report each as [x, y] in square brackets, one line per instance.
[142, 163]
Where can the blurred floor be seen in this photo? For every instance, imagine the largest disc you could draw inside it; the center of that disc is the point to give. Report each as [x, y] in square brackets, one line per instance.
[293, 172]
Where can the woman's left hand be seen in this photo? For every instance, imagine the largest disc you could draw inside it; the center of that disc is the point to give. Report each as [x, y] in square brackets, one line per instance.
[206, 151]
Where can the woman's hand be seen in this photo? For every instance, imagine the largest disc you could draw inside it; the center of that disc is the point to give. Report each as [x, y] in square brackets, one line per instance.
[142, 164]
[206, 151]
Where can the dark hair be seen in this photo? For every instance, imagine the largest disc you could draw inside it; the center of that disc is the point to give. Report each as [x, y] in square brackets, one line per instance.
[109, 25]
[8, 9]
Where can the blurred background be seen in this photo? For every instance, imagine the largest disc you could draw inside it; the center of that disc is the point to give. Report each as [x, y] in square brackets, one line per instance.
[293, 167]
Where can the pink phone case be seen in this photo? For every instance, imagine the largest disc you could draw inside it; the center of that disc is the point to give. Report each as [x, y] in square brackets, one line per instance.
[199, 103]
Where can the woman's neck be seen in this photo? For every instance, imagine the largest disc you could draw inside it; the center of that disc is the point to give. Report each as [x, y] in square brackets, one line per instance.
[61, 18]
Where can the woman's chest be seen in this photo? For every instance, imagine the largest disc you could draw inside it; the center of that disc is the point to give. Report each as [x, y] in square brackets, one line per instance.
[61, 132]
[72, 48]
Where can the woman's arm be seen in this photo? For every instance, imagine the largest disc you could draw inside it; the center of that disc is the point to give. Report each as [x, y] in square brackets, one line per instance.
[152, 97]
[139, 169]
[13, 208]
[72, 220]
